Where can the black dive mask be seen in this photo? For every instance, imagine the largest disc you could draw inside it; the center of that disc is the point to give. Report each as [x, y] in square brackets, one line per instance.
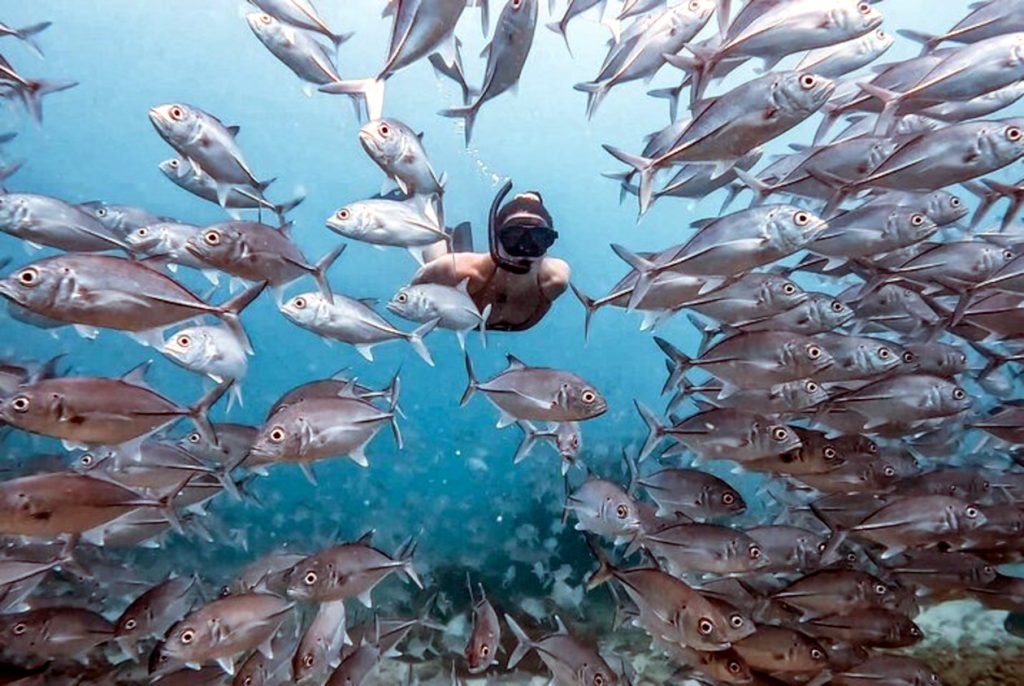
[520, 232]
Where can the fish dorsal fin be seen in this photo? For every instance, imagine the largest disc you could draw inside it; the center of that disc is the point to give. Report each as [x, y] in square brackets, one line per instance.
[514, 363]
[369, 302]
[341, 374]
[348, 390]
[420, 135]
[286, 229]
[136, 376]
[561, 626]
[233, 130]
[463, 286]
[366, 539]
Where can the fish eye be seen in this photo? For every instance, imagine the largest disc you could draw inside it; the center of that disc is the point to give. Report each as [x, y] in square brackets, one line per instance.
[308, 660]
[343, 214]
[130, 624]
[880, 34]
[212, 237]
[755, 553]
[959, 393]
[28, 276]
[277, 435]
[622, 511]
[802, 218]
[384, 130]
[310, 578]
[880, 589]
[588, 396]
[971, 512]
[194, 437]
[187, 636]
[908, 357]
[988, 569]
[299, 303]
[265, 18]
[177, 113]
[814, 352]
[914, 631]
[705, 627]
[837, 306]
[736, 621]
[184, 341]
[516, 4]
[21, 403]
[143, 232]
[1013, 134]
[807, 81]
[917, 219]
[829, 452]
[822, 546]
[884, 353]
[694, 5]
[817, 654]
[19, 629]
[963, 358]
[174, 164]
[598, 678]
[735, 667]
[872, 447]
[954, 201]
[576, 441]
[485, 650]
[248, 681]
[85, 460]
[728, 497]
[889, 471]
[101, 212]
[788, 288]
[864, 8]
[1008, 254]
[780, 434]
[811, 387]
[402, 297]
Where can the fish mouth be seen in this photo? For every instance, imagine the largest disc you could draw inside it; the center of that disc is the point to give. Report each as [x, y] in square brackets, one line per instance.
[6, 290]
[158, 117]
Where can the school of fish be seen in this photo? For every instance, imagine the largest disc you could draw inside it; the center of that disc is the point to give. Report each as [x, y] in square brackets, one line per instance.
[859, 320]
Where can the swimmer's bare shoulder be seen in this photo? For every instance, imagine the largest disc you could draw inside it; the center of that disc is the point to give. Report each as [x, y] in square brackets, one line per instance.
[554, 277]
[452, 268]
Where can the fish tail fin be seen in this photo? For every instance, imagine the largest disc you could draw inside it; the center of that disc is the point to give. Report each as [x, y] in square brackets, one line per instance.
[605, 570]
[199, 413]
[523, 643]
[393, 411]
[646, 168]
[166, 504]
[416, 340]
[27, 33]
[393, 390]
[681, 362]
[404, 555]
[560, 27]
[321, 268]
[32, 96]
[466, 114]
[230, 310]
[9, 171]
[707, 332]
[263, 185]
[596, 93]
[705, 61]
[928, 41]
[67, 559]
[670, 94]
[337, 39]
[646, 271]
[284, 208]
[370, 90]
[760, 189]
[529, 440]
[589, 304]
[471, 383]
[655, 430]
[890, 104]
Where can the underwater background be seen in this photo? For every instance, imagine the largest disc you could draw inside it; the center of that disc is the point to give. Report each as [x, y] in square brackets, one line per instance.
[453, 486]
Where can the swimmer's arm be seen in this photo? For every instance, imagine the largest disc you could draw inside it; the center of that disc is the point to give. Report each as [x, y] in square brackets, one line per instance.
[451, 269]
[554, 277]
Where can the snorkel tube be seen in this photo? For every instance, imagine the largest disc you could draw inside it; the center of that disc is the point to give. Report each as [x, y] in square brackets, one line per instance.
[498, 254]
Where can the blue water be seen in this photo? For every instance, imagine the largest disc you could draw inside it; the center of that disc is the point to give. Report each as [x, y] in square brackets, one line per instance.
[96, 143]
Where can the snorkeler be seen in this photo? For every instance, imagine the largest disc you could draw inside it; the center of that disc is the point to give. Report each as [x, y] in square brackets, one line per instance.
[515, 277]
